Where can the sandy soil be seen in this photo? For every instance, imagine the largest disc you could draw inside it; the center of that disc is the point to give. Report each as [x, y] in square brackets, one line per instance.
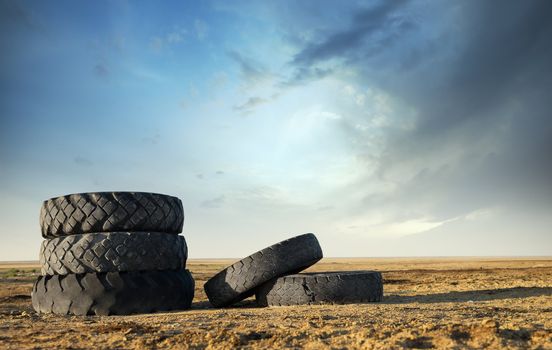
[429, 303]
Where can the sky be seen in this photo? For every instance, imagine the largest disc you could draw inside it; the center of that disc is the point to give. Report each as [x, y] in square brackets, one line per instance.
[387, 128]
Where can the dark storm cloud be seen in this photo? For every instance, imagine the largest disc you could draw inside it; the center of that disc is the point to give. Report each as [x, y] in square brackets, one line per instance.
[305, 75]
[365, 24]
[507, 52]
[495, 90]
[478, 75]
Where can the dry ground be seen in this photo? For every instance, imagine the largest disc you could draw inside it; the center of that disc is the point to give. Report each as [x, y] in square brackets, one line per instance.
[429, 303]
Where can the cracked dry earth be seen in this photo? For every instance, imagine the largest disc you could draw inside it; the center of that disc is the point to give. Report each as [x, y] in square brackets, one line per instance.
[428, 303]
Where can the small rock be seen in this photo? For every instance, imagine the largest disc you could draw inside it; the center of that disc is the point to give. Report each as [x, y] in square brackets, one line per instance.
[489, 323]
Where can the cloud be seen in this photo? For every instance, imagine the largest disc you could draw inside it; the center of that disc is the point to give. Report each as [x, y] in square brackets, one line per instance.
[252, 72]
[218, 80]
[168, 39]
[175, 36]
[219, 172]
[213, 203]
[325, 208]
[12, 13]
[101, 70]
[82, 161]
[370, 31]
[365, 24]
[157, 44]
[248, 106]
[477, 109]
[151, 140]
[466, 122]
[201, 29]
[305, 75]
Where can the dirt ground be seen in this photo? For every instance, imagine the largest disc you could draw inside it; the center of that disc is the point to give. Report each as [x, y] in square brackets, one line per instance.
[428, 303]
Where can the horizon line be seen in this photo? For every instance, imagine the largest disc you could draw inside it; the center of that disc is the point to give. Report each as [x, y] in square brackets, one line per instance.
[5, 262]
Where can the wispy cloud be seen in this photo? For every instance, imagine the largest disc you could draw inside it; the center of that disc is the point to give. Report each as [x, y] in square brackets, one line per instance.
[168, 39]
[213, 203]
[252, 72]
[152, 140]
[101, 70]
[201, 29]
[83, 161]
[248, 106]
[305, 75]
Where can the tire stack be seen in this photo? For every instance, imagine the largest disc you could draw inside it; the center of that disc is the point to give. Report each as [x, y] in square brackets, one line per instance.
[272, 275]
[112, 253]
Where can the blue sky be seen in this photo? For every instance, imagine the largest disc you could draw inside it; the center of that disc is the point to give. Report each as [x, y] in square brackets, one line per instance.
[387, 128]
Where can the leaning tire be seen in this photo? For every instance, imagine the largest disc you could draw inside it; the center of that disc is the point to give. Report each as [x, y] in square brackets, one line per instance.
[115, 251]
[113, 293]
[239, 280]
[109, 212]
[326, 287]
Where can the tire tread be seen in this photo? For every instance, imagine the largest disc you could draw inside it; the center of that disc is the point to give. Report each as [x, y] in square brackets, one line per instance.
[113, 293]
[110, 212]
[324, 287]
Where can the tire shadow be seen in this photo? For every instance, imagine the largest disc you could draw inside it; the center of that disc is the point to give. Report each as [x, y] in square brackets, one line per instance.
[244, 304]
[472, 295]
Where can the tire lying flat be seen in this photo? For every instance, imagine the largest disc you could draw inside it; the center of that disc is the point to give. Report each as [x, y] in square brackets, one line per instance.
[239, 280]
[110, 212]
[115, 251]
[326, 287]
[113, 293]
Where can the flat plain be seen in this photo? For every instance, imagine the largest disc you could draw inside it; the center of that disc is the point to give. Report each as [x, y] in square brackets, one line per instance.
[442, 303]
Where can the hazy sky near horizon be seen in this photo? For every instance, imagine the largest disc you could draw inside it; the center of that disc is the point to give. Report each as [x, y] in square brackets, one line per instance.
[388, 128]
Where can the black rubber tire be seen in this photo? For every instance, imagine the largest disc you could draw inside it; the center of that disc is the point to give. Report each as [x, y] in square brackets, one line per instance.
[341, 287]
[115, 251]
[110, 212]
[113, 293]
[239, 280]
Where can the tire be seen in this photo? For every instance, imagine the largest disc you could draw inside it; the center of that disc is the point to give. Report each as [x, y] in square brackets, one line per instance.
[113, 293]
[116, 251]
[326, 287]
[110, 212]
[239, 280]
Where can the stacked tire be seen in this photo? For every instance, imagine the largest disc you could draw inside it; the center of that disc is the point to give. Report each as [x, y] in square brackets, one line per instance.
[272, 275]
[112, 253]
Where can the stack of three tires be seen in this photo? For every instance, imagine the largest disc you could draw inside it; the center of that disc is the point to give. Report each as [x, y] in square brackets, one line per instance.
[112, 253]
